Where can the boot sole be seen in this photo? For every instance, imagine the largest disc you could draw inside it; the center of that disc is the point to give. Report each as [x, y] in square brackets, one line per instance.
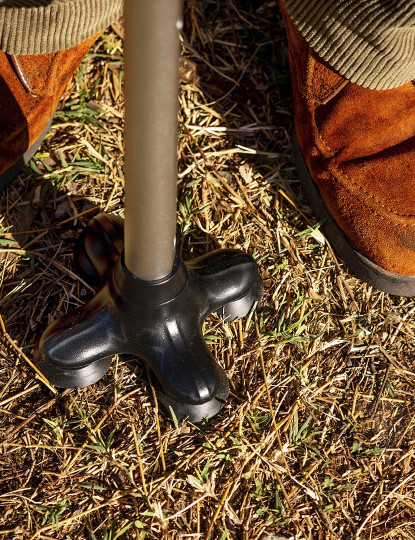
[14, 170]
[364, 268]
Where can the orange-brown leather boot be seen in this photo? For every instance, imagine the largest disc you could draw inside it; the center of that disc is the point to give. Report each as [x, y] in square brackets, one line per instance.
[30, 89]
[355, 154]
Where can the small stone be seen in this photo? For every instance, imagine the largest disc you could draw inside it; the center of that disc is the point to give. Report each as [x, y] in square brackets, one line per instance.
[63, 209]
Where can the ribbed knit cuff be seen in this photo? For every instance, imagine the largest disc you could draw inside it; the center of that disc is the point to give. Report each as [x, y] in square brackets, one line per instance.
[369, 42]
[44, 26]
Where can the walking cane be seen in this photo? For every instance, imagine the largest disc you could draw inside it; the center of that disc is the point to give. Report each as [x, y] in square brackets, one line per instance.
[151, 305]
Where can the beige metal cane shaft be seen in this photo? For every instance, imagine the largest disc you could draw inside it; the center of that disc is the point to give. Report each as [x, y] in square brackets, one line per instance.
[151, 90]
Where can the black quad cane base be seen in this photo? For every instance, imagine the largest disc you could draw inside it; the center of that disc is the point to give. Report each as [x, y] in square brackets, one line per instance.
[161, 323]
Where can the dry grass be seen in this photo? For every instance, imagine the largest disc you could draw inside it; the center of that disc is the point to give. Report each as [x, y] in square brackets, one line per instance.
[317, 438]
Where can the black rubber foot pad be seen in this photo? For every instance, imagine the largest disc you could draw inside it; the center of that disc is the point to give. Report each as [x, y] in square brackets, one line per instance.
[195, 412]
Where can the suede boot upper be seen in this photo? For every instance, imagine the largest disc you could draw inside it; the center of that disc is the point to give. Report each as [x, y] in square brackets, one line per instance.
[359, 147]
[30, 89]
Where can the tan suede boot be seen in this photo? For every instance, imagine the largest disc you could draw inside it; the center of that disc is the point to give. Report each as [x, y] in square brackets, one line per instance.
[30, 89]
[355, 154]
